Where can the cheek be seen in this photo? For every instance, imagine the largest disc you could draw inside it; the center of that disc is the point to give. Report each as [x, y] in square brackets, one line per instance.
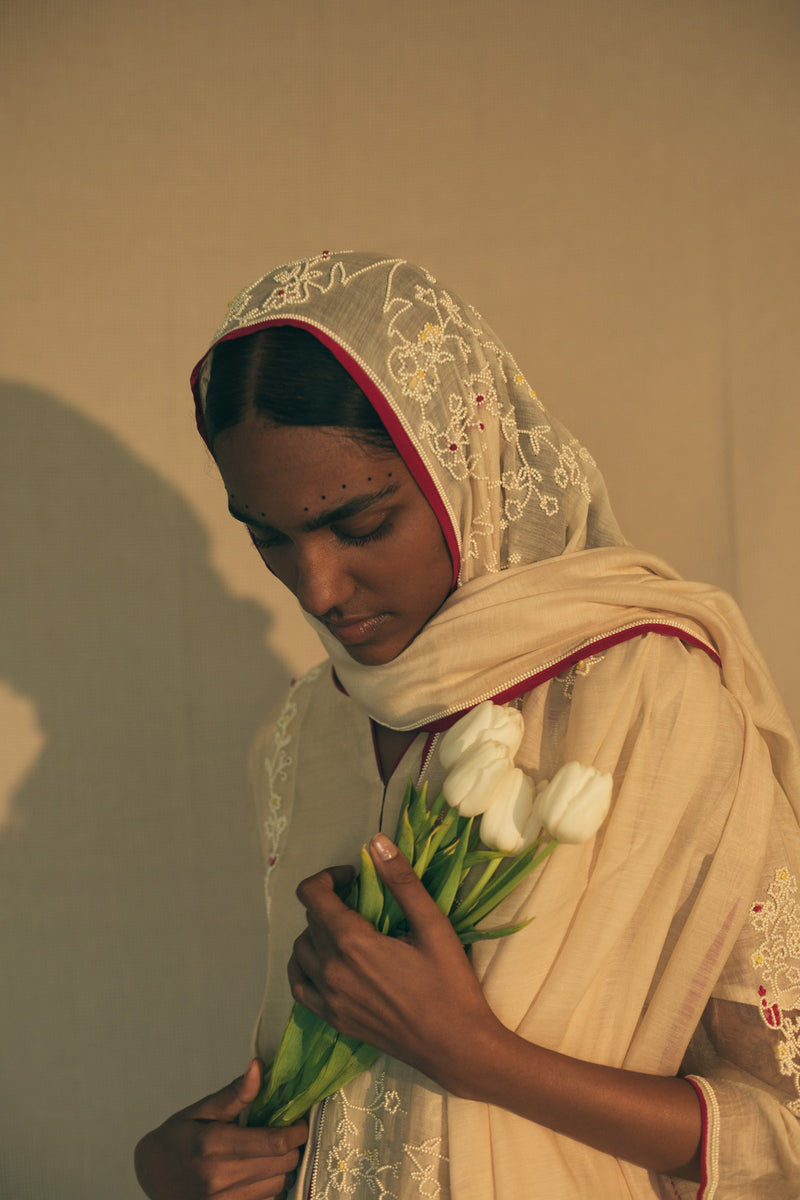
[438, 568]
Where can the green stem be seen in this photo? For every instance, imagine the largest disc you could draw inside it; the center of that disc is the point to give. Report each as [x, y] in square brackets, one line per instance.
[475, 890]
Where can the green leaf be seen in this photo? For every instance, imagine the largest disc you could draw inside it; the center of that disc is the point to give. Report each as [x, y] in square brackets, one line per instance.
[302, 1030]
[304, 1047]
[405, 836]
[414, 809]
[442, 838]
[348, 1059]
[483, 935]
[477, 890]
[445, 893]
[370, 900]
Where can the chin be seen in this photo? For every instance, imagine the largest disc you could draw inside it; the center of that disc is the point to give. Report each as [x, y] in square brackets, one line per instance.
[376, 655]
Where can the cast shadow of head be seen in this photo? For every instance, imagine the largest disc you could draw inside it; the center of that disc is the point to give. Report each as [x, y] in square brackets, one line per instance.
[130, 898]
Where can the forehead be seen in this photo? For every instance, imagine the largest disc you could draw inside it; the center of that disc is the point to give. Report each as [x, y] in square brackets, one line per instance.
[284, 473]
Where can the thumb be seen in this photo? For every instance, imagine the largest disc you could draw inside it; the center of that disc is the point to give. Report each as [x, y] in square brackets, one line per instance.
[396, 872]
[230, 1101]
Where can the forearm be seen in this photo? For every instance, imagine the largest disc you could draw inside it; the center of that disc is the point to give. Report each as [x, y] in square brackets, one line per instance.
[649, 1120]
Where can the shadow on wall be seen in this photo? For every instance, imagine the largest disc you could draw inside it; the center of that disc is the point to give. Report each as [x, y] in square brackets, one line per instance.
[131, 917]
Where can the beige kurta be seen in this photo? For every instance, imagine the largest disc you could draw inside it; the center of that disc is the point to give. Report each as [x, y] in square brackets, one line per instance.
[687, 893]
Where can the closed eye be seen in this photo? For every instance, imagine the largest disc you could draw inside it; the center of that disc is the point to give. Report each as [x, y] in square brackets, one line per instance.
[361, 539]
[270, 541]
[267, 542]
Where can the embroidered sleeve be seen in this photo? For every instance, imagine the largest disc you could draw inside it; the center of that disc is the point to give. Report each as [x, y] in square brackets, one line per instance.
[744, 1059]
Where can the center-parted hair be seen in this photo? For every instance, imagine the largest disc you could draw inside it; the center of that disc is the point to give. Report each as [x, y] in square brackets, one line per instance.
[286, 375]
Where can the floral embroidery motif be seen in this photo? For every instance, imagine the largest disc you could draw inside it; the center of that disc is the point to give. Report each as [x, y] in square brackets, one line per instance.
[276, 767]
[426, 1158]
[777, 961]
[354, 1163]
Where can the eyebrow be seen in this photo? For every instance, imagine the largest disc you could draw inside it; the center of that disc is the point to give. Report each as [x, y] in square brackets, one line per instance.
[341, 512]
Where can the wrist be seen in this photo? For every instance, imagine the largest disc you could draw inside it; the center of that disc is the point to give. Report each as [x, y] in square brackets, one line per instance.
[467, 1067]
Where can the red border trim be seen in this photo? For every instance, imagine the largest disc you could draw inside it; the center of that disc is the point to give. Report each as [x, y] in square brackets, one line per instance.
[703, 1138]
[569, 660]
[405, 447]
[575, 656]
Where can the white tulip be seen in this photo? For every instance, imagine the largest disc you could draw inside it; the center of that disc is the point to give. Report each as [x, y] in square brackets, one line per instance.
[572, 806]
[478, 777]
[496, 722]
[503, 823]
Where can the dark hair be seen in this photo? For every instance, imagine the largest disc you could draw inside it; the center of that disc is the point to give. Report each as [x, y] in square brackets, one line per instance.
[286, 375]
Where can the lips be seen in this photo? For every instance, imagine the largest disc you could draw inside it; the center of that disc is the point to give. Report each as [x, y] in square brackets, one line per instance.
[356, 629]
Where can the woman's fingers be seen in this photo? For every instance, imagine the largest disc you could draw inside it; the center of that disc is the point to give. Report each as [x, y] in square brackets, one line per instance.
[326, 886]
[194, 1154]
[426, 920]
[233, 1099]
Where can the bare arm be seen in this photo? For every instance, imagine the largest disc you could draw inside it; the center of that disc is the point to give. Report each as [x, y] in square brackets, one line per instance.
[375, 988]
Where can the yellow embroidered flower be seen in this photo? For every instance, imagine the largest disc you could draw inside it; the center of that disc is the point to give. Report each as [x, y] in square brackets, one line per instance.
[432, 333]
[758, 959]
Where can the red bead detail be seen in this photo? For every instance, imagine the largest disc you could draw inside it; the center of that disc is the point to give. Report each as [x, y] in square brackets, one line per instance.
[762, 991]
[757, 907]
[453, 446]
[481, 425]
[773, 1016]
[479, 399]
[273, 858]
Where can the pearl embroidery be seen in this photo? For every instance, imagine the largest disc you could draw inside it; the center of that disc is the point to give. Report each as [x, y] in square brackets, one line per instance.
[777, 961]
[276, 767]
[354, 1162]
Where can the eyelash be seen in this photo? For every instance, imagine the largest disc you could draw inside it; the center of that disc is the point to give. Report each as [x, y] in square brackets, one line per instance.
[345, 539]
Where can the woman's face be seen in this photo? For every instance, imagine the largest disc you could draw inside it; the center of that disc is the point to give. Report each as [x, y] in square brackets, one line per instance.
[343, 526]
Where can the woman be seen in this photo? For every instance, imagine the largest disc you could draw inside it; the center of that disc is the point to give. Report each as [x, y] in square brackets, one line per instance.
[451, 542]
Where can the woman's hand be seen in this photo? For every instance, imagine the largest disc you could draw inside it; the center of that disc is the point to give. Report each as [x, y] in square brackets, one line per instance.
[415, 998]
[201, 1152]
[419, 1000]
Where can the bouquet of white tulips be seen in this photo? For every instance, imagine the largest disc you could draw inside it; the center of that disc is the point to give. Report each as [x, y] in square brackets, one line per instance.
[467, 866]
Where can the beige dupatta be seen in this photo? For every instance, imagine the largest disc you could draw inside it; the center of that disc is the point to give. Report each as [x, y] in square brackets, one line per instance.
[686, 893]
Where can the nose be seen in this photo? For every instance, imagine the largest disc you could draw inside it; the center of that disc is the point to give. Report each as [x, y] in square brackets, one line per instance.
[322, 582]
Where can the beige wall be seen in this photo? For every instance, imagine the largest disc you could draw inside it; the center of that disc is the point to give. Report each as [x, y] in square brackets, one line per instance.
[613, 184]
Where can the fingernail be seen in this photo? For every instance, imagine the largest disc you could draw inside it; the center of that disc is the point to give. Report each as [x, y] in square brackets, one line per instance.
[384, 848]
